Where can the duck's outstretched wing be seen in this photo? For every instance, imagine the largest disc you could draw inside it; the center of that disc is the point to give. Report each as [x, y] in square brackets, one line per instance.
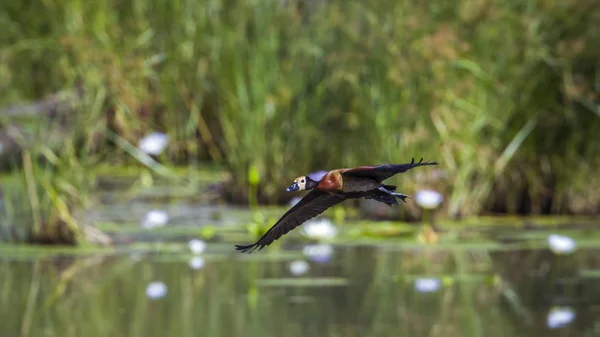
[383, 172]
[313, 204]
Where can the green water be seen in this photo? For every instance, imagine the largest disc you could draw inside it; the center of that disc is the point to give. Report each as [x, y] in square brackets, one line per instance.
[360, 290]
[498, 279]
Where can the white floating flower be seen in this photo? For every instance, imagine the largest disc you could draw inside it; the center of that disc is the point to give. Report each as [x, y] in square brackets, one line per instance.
[197, 246]
[321, 229]
[561, 244]
[155, 218]
[320, 253]
[156, 290]
[559, 317]
[154, 143]
[299, 267]
[427, 285]
[428, 199]
[196, 262]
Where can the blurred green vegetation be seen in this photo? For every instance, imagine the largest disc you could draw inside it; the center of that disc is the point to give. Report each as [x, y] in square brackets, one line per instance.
[504, 94]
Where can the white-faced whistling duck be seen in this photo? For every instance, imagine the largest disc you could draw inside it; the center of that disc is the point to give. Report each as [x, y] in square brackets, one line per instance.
[333, 188]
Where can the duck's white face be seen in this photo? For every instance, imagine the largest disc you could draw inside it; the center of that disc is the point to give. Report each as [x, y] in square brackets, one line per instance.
[301, 182]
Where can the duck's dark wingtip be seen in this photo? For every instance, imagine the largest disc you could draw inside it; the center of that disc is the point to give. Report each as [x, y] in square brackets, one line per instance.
[420, 162]
[246, 248]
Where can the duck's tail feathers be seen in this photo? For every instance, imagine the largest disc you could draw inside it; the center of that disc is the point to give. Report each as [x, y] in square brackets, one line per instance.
[389, 199]
[247, 248]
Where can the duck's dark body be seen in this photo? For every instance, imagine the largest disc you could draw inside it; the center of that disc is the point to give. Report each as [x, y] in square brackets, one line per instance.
[333, 188]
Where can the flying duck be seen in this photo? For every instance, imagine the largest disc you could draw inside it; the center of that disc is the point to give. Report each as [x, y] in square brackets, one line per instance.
[333, 188]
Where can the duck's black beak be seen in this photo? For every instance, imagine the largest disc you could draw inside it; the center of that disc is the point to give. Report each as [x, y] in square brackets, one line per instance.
[293, 187]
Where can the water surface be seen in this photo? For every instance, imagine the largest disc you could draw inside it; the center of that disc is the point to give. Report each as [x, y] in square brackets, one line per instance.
[358, 291]
[489, 281]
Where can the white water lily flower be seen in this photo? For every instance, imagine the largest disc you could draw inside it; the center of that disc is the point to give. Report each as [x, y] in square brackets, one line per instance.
[428, 199]
[321, 229]
[559, 317]
[156, 290]
[196, 262]
[197, 246]
[154, 143]
[320, 253]
[299, 267]
[561, 244]
[427, 285]
[155, 218]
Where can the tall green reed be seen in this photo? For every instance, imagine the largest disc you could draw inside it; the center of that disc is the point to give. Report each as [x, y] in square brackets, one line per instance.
[502, 94]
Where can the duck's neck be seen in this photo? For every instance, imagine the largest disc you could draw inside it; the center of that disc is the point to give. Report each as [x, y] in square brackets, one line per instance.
[310, 184]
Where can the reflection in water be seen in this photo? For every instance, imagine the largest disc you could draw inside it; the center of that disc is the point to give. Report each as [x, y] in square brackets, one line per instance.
[197, 262]
[156, 290]
[427, 285]
[360, 291]
[299, 267]
[320, 253]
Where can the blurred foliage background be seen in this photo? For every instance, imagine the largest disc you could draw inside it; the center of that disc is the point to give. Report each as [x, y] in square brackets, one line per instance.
[504, 94]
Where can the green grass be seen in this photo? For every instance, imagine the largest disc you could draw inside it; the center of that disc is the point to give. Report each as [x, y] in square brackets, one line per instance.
[503, 94]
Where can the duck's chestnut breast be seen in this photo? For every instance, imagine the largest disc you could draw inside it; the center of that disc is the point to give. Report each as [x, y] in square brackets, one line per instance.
[332, 181]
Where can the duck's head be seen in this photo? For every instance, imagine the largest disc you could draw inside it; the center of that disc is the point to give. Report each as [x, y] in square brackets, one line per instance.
[302, 183]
